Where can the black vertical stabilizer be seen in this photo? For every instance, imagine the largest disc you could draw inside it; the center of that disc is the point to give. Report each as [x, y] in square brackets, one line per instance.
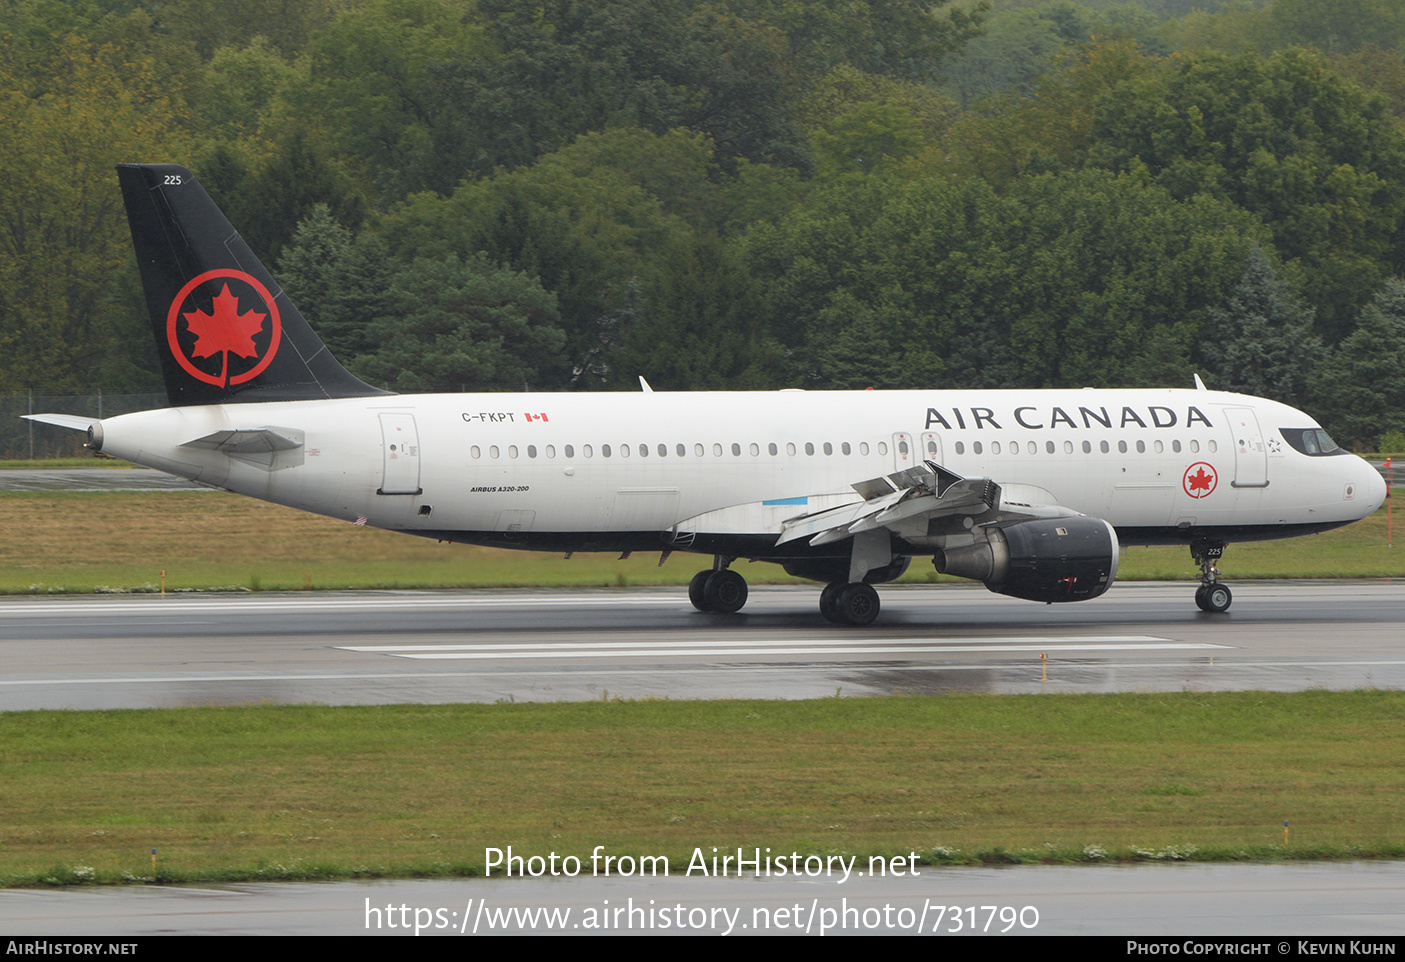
[224, 329]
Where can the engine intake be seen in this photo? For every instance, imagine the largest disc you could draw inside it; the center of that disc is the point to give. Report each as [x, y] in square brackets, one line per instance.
[1063, 559]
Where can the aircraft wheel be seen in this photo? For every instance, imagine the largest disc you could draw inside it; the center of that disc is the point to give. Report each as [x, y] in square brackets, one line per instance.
[1200, 598]
[829, 601]
[1216, 598]
[857, 604]
[724, 591]
[695, 589]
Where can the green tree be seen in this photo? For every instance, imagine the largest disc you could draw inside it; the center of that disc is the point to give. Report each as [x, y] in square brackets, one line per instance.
[464, 326]
[340, 282]
[1260, 340]
[586, 223]
[1080, 278]
[64, 247]
[1317, 158]
[563, 69]
[1359, 394]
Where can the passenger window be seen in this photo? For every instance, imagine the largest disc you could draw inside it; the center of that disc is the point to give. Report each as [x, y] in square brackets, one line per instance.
[809, 448]
[790, 448]
[624, 450]
[663, 450]
[1033, 448]
[773, 449]
[682, 450]
[863, 448]
[960, 447]
[882, 448]
[755, 449]
[604, 450]
[1049, 446]
[493, 452]
[643, 450]
[531, 450]
[551, 450]
[845, 448]
[828, 448]
[1087, 447]
[570, 451]
[736, 450]
[512, 450]
[1121, 447]
[1213, 447]
[1158, 447]
[995, 447]
[1175, 447]
[717, 450]
[697, 450]
[1068, 447]
[1141, 447]
[475, 452]
[586, 451]
[1102, 446]
[1194, 447]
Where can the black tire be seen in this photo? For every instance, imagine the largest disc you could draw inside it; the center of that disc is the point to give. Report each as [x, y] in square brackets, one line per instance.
[1217, 599]
[1200, 598]
[829, 601]
[858, 604]
[725, 592]
[695, 589]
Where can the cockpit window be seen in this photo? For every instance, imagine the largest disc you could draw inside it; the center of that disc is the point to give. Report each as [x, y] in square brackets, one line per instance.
[1314, 442]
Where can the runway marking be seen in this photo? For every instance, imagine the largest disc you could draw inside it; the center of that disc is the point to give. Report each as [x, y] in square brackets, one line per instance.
[807, 646]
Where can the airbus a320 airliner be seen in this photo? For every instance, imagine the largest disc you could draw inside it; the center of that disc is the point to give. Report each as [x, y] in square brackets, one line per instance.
[1030, 492]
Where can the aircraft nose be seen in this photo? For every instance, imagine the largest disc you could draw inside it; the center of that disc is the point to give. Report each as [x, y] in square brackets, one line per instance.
[1371, 488]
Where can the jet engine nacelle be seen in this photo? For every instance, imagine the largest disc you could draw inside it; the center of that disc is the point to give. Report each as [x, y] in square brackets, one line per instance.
[1058, 559]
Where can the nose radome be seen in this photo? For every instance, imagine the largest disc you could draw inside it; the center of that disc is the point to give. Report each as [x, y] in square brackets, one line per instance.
[1371, 487]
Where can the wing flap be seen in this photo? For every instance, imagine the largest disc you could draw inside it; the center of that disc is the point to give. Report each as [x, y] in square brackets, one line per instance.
[928, 490]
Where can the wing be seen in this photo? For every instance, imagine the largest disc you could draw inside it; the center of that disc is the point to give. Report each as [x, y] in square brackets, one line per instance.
[923, 505]
[895, 500]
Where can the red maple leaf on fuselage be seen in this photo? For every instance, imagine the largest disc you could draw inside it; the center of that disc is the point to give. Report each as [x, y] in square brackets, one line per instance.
[224, 329]
[1199, 481]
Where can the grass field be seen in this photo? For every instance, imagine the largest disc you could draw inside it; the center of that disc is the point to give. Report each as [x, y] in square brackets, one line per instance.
[316, 792]
[87, 541]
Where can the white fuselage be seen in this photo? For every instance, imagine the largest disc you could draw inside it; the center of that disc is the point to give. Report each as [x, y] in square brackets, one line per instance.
[617, 471]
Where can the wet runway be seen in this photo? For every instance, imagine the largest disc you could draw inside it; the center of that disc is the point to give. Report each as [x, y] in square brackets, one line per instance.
[485, 646]
[1358, 899]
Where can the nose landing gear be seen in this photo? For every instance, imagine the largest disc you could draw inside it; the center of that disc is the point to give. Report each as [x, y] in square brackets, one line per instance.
[1212, 596]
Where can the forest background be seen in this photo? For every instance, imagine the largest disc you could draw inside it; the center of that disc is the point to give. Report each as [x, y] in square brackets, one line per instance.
[499, 195]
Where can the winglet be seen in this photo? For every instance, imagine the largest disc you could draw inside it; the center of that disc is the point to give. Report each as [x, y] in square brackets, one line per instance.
[645, 385]
[1199, 384]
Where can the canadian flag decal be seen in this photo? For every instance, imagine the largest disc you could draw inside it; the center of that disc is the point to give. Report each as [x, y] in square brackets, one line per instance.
[536, 417]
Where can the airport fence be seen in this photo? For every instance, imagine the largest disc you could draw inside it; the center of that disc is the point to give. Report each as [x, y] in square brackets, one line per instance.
[21, 439]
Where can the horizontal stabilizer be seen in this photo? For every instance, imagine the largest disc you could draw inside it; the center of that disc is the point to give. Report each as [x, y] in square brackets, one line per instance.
[270, 448]
[72, 421]
[260, 440]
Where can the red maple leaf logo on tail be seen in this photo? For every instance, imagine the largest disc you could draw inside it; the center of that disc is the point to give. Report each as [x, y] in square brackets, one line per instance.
[224, 329]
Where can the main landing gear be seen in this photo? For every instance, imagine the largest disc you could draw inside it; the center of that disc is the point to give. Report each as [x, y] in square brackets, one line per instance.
[843, 603]
[1211, 596]
[718, 589]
